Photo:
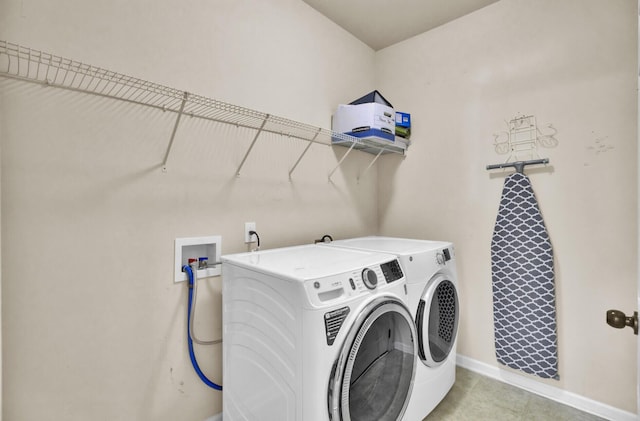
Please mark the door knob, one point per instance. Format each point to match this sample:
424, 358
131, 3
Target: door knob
619, 320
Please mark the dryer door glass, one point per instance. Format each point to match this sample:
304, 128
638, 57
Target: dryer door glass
377, 365
437, 321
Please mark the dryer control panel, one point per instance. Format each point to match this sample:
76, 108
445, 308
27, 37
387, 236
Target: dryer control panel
442, 257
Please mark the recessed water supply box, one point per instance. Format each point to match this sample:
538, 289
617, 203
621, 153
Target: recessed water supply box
206, 252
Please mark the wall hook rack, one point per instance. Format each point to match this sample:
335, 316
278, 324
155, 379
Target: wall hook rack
522, 138
29, 65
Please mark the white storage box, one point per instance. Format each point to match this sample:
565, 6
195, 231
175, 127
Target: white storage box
370, 120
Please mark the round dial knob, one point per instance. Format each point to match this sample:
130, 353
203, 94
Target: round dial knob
370, 278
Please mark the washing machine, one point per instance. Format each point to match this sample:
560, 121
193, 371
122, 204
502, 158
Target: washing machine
316, 333
430, 271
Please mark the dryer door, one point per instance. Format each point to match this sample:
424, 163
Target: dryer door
373, 375
437, 320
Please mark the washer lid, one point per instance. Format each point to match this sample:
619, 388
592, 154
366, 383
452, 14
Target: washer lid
306, 262
393, 245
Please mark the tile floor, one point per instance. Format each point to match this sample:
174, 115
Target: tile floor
474, 397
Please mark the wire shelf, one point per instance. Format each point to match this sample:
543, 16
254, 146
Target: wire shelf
27, 64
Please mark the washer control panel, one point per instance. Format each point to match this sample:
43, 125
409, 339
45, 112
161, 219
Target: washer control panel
369, 278
392, 271
344, 286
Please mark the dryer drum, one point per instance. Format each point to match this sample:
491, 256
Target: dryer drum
437, 334
374, 372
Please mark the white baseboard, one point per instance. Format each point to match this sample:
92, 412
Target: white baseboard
551, 392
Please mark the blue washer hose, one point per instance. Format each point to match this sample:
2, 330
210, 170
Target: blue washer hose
194, 362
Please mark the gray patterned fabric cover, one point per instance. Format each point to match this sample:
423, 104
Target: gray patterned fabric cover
524, 310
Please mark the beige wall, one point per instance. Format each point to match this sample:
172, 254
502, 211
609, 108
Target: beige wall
571, 63
2, 111
93, 326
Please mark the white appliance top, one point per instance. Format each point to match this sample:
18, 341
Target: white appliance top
398, 246
306, 262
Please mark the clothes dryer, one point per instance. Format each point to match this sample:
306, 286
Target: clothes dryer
430, 270
316, 333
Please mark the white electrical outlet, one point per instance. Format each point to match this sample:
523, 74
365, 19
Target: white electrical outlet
248, 238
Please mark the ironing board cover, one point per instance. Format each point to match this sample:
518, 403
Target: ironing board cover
524, 310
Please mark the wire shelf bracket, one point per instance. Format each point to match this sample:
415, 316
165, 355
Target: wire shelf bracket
173, 133
373, 161
255, 138
303, 153
342, 159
